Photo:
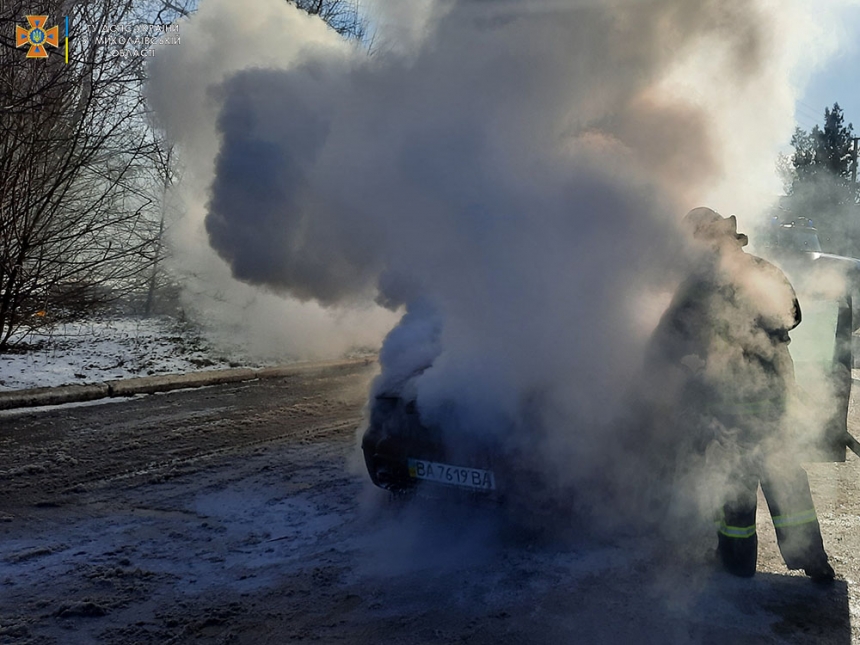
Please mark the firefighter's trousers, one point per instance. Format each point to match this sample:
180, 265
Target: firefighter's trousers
789, 500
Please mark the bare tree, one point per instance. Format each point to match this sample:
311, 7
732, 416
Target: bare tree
344, 16
75, 161
83, 174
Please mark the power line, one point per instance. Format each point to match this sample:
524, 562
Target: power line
805, 119
805, 116
810, 108
810, 112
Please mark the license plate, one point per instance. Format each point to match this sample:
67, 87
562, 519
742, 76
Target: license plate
473, 478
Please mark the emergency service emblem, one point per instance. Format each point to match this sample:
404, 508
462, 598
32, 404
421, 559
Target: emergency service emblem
37, 36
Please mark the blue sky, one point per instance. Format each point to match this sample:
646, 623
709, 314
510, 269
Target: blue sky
837, 81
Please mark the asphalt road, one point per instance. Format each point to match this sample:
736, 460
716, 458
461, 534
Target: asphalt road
241, 514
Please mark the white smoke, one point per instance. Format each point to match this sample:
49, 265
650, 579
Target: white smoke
219, 41
510, 174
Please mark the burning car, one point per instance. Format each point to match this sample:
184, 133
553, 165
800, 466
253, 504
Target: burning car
400, 451
404, 453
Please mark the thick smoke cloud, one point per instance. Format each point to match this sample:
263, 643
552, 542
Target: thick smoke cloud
222, 38
509, 175
521, 171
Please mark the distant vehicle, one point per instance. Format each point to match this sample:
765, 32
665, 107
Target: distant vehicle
823, 346
798, 235
795, 247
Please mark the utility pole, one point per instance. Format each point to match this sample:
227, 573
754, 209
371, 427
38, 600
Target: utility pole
856, 141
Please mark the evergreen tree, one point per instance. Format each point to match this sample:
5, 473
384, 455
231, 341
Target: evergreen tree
820, 184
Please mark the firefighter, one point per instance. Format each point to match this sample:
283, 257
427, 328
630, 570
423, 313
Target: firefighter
726, 334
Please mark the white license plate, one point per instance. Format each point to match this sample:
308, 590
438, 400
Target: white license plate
433, 471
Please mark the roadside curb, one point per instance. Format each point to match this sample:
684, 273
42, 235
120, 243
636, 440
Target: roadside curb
167, 382
52, 395
161, 383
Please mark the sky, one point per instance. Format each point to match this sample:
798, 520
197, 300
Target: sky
838, 80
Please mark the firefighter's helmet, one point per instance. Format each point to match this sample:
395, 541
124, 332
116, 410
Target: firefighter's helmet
708, 225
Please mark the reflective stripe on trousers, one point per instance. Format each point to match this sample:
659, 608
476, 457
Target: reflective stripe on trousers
795, 519
743, 408
740, 532
779, 522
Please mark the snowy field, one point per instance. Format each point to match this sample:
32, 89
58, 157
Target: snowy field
114, 348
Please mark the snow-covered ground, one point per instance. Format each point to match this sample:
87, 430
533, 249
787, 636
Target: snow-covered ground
113, 348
